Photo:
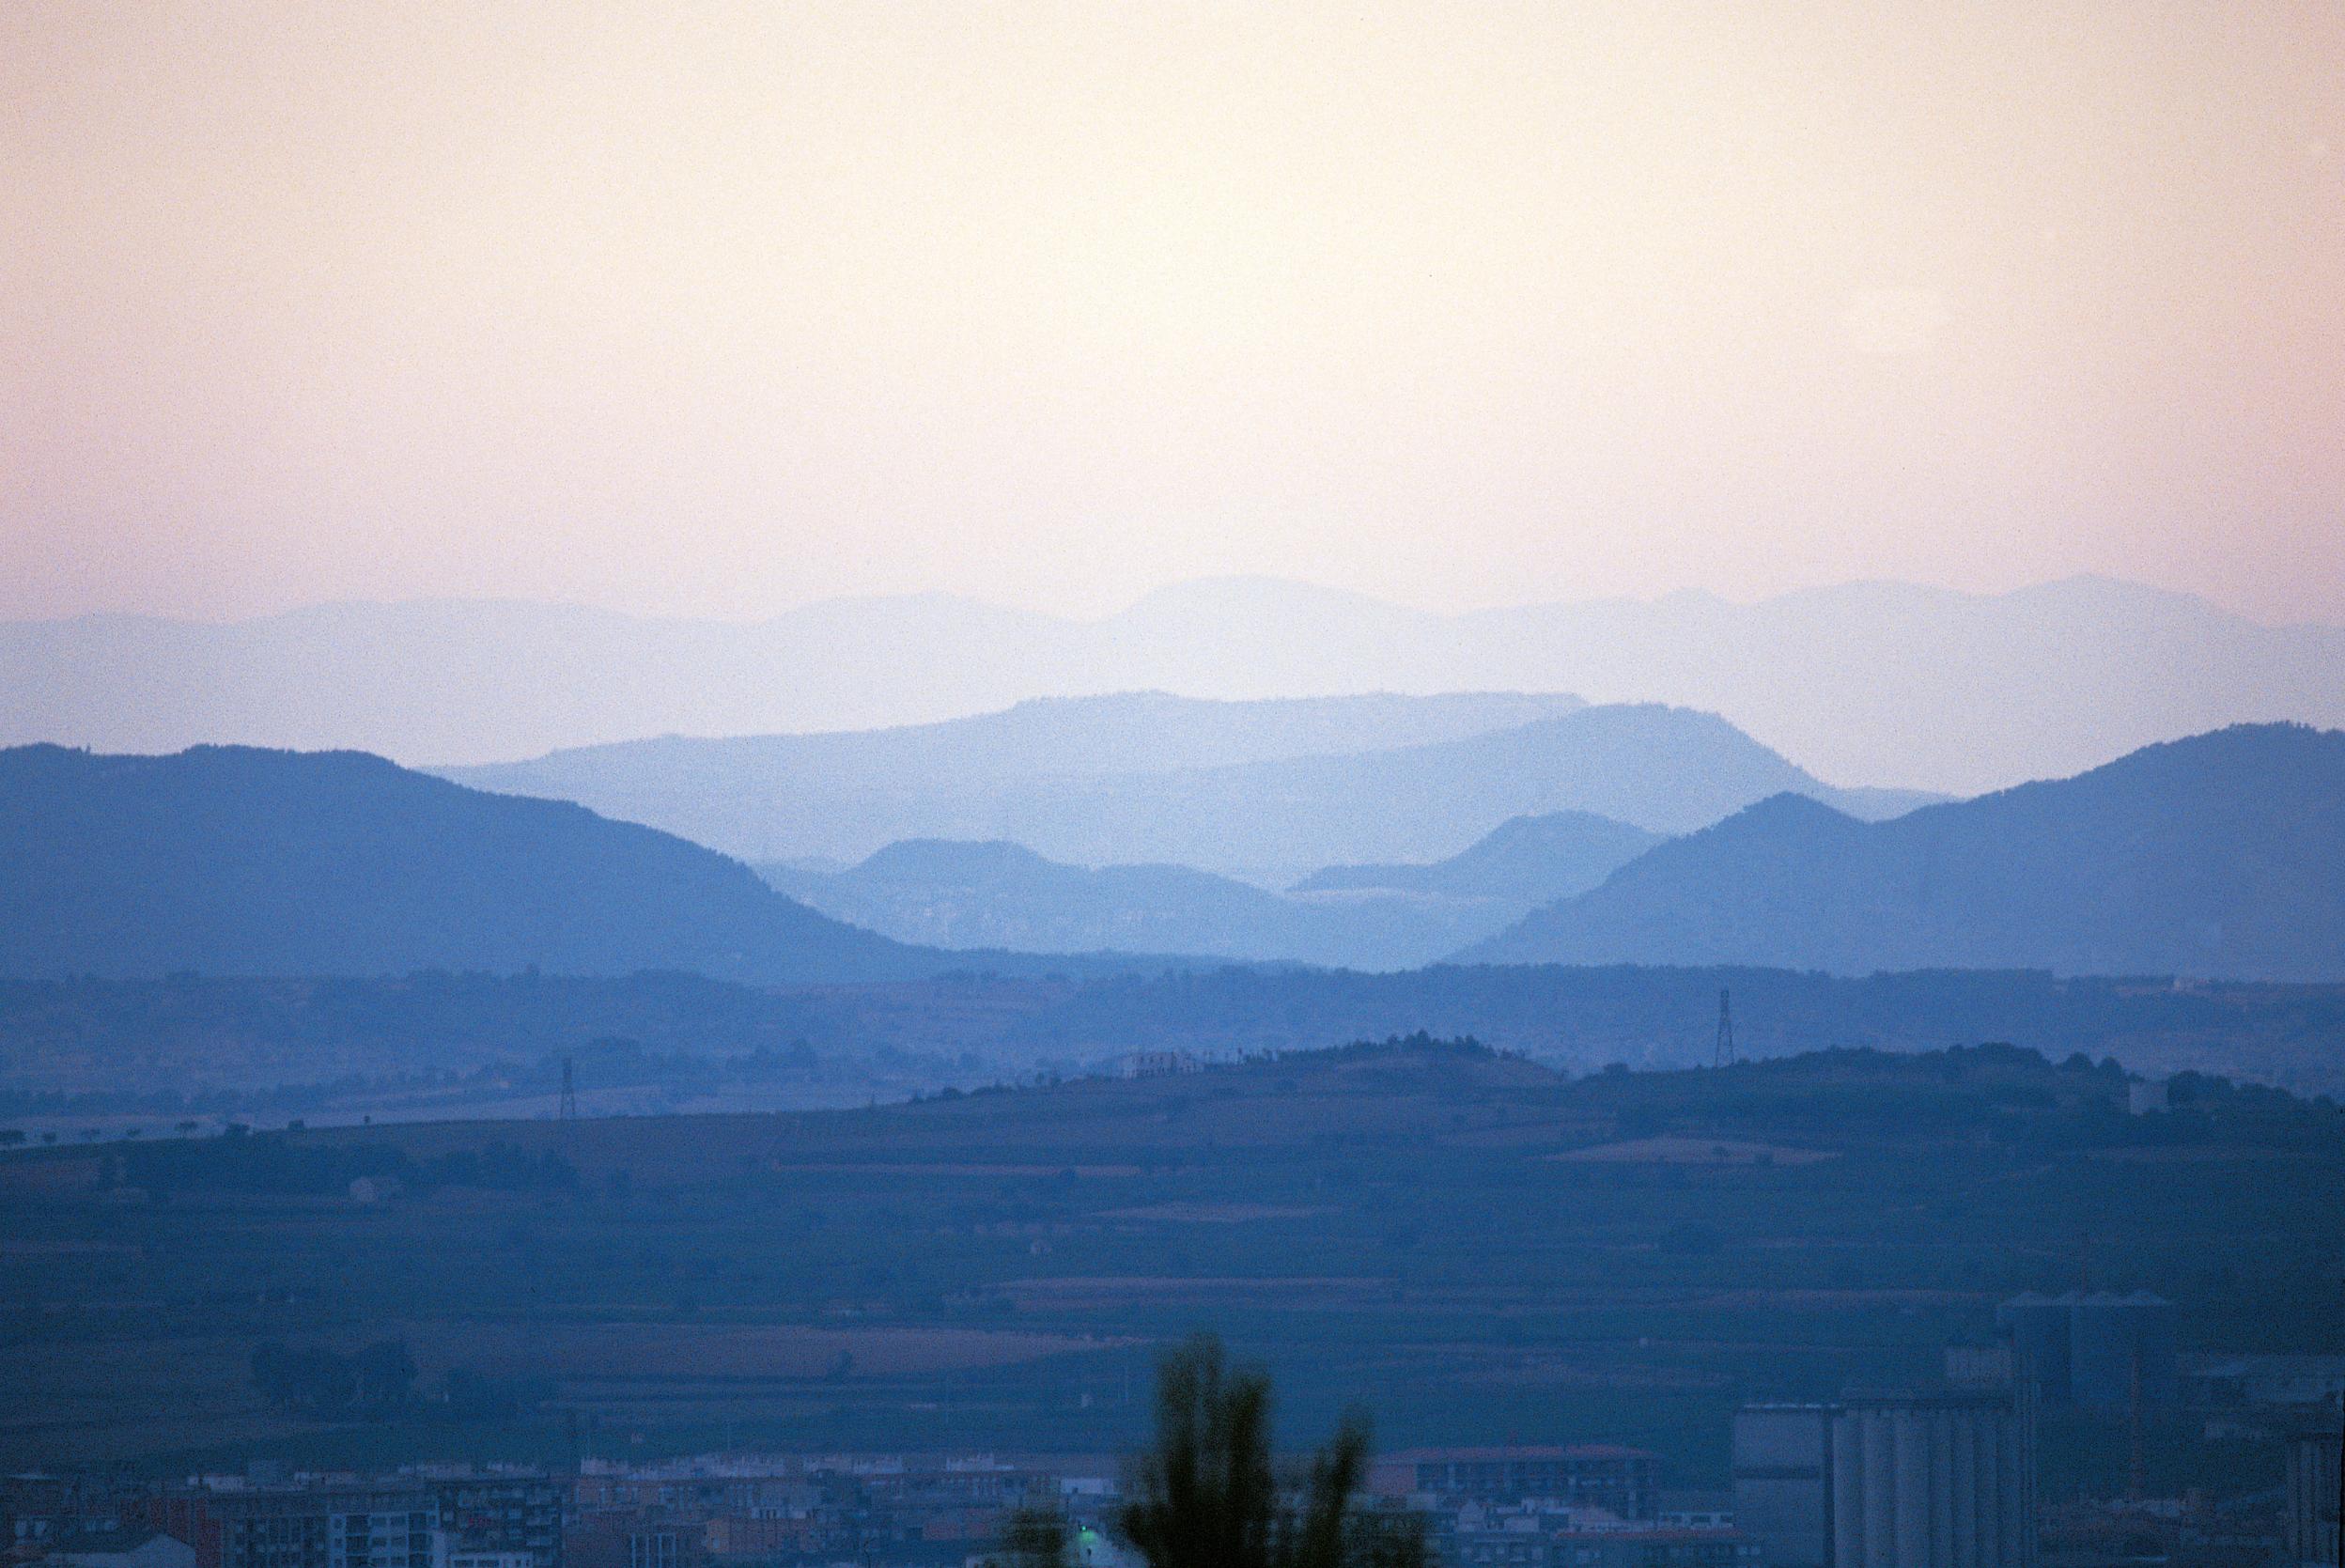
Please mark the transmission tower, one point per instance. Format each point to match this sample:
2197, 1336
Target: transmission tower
569, 1091
1725, 1055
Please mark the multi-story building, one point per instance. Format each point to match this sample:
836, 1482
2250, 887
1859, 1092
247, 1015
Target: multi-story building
1544, 1536
1783, 1482
1621, 1481
2312, 1500
499, 1513
735, 1538
1655, 1548
644, 1537
386, 1526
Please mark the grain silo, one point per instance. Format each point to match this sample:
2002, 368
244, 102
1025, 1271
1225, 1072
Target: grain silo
1931, 1481
2121, 1348
2039, 1327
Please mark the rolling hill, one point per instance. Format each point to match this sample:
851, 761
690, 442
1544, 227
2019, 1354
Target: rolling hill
1484, 1247
1037, 776
232, 861
952, 894
999, 894
2222, 855
1525, 859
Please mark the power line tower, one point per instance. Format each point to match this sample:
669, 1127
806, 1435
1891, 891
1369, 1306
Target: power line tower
1724, 1056
569, 1091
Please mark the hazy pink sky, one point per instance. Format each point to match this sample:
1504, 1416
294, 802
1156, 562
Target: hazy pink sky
719, 310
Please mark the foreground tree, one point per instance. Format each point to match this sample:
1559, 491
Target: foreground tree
1206, 1494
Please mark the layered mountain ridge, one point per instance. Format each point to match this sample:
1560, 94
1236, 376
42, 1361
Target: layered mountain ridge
1886, 682
1417, 779
2222, 855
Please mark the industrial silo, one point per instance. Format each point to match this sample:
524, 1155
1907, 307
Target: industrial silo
2152, 1322
2039, 1327
1931, 1481
2114, 1341
2101, 1352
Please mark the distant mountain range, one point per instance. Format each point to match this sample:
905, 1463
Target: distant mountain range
1881, 682
2219, 855
231, 861
1303, 787
959, 895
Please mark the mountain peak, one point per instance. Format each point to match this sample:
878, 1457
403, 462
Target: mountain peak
1787, 809
945, 858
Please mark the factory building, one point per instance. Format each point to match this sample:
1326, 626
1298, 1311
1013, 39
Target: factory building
2037, 1326
1783, 1482
1903, 1480
2121, 1345
2101, 1351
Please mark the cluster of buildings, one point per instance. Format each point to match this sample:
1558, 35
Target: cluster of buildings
1940, 1477
1589, 1505
1586, 1506
423, 1518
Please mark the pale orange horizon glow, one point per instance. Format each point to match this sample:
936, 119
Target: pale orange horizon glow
722, 309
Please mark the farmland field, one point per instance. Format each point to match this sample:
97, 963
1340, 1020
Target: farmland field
1474, 1246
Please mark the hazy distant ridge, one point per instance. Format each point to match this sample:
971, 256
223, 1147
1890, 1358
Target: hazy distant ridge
1421, 779
2222, 855
1004, 896
1878, 682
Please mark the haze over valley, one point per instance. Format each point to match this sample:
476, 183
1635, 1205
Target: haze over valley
1290, 800
879, 784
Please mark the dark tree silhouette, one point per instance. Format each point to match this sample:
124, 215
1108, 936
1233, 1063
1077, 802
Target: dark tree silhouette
1034, 1538
1207, 1493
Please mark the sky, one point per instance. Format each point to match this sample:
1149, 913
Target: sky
718, 310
